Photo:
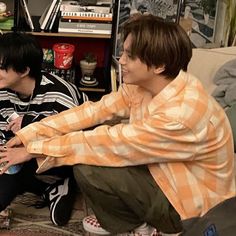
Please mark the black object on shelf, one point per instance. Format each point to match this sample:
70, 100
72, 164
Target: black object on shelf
16, 10
22, 19
66, 74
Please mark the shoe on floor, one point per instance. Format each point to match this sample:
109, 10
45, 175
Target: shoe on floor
91, 224
60, 197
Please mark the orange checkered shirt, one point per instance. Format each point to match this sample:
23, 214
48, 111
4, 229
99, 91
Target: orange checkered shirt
182, 134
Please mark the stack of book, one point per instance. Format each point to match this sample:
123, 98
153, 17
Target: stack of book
91, 19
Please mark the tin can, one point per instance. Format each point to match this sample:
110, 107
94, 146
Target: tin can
63, 55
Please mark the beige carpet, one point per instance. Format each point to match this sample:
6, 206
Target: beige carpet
28, 221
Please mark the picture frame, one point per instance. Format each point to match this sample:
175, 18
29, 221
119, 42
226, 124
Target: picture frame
201, 15
167, 9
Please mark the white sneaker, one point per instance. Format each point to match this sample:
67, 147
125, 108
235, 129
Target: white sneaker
144, 230
91, 224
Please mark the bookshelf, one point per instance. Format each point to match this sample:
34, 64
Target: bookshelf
99, 44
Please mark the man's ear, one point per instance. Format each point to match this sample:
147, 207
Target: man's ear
158, 70
25, 73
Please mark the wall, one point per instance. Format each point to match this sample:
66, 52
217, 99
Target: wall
37, 9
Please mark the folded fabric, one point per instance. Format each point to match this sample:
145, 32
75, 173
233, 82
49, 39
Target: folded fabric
225, 79
231, 113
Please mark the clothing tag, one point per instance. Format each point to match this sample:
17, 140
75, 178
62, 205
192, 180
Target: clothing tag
210, 231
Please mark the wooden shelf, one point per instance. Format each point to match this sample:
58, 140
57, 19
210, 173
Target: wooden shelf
92, 89
77, 35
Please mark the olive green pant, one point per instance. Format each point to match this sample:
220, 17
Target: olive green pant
126, 197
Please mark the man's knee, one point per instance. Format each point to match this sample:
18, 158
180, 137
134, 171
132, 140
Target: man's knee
82, 173
98, 177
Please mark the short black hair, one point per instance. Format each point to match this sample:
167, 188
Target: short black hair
157, 42
18, 51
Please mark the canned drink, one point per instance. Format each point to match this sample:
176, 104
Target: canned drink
12, 169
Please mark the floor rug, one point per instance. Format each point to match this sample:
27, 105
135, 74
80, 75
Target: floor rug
28, 221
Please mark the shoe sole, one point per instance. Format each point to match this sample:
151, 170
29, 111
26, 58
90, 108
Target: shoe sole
95, 231
88, 224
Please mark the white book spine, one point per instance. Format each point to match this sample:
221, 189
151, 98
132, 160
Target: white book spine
55, 15
83, 31
81, 25
87, 14
77, 8
42, 26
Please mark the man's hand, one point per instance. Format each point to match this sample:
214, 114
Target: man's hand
15, 125
13, 156
14, 142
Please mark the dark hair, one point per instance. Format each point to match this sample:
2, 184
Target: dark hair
19, 51
159, 43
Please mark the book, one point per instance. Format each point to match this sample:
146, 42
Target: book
56, 13
53, 16
45, 16
87, 16
85, 25
22, 18
27, 14
84, 21
74, 6
46, 28
83, 31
